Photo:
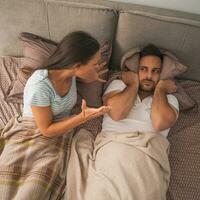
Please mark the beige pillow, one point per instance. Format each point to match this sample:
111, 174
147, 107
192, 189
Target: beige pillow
172, 67
36, 50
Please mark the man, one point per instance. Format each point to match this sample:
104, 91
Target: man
141, 101
128, 160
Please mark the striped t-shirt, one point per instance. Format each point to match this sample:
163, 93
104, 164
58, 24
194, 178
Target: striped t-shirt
39, 91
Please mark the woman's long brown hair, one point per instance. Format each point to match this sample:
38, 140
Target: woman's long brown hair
76, 47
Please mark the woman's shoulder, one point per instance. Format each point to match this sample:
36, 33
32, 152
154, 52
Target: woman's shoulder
38, 80
37, 77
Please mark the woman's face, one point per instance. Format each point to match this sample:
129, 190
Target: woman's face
87, 72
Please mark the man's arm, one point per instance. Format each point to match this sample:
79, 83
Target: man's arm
163, 115
122, 102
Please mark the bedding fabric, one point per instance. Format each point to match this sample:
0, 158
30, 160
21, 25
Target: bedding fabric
9, 68
31, 166
184, 155
184, 139
123, 166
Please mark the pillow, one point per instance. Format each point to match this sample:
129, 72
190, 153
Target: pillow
185, 101
171, 68
36, 50
171, 65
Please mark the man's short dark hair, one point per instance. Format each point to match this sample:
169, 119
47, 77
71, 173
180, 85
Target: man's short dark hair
151, 50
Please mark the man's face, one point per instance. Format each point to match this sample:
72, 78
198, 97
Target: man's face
149, 73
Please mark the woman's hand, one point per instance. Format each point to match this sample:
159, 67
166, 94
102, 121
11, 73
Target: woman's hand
91, 113
100, 69
92, 73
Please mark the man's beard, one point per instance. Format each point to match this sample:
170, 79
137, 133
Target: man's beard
147, 85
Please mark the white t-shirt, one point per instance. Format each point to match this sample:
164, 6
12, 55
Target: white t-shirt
138, 118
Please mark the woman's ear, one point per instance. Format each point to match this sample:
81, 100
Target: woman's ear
77, 65
76, 68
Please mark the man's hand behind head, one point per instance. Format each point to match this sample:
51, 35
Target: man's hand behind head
130, 78
167, 86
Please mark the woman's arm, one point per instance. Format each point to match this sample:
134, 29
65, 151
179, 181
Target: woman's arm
44, 119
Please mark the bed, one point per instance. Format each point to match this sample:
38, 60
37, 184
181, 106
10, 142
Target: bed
126, 26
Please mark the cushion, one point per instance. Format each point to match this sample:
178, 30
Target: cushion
178, 35
172, 67
36, 50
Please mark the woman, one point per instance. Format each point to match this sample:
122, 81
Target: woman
34, 158
50, 93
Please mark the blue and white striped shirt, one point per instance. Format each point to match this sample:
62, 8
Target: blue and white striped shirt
39, 91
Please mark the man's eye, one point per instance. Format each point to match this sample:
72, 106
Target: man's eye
157, 71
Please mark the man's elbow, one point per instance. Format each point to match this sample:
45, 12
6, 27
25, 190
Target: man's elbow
116, 116
162, 124
158, 125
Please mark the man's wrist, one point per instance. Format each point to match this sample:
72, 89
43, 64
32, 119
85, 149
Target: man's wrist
159, 90
133, 85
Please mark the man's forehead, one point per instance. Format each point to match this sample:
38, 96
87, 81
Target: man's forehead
152, 67
150, 61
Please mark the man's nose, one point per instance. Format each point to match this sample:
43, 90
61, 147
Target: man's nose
149, 75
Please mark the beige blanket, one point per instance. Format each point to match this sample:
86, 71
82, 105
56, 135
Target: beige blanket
126, 166
32, 167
